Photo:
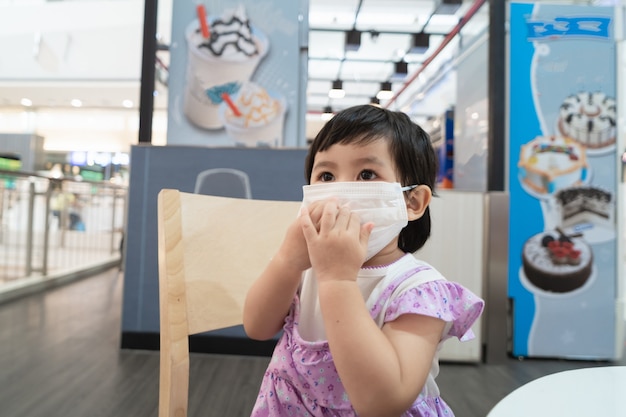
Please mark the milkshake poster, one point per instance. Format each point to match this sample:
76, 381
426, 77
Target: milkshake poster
563, 181
235, 74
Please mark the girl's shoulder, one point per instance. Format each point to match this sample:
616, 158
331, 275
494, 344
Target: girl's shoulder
416, 287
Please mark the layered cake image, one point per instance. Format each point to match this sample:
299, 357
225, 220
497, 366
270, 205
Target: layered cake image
582, 205
548, 164
555, 262
589, 119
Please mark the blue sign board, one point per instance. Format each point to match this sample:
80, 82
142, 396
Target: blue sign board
562, 181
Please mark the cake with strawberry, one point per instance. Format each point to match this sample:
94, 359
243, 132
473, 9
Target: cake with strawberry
550, 163
589, 118
555, 262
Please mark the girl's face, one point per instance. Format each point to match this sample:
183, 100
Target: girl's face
352, 162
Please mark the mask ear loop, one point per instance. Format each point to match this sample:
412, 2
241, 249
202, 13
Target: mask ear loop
411, 187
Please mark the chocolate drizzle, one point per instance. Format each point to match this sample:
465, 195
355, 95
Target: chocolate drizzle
225, 34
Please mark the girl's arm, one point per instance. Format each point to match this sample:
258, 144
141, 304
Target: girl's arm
382, 370
270, 296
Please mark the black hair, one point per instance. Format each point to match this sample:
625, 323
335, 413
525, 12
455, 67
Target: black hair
409, 146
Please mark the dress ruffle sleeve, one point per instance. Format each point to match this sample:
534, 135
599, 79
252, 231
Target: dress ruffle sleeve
442, 299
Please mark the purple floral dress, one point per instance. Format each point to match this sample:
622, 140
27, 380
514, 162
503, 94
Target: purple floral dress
301, 379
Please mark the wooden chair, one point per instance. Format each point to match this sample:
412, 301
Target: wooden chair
210, 250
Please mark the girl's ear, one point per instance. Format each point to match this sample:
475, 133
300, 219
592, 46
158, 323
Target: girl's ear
417, 201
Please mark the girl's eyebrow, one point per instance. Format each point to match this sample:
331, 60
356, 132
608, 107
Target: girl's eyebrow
324, 164
372, 159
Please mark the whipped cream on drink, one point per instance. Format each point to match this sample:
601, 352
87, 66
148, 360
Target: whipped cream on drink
219, 62
256, 106
257, 118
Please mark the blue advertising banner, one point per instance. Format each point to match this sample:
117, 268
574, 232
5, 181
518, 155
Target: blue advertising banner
235, 73
562, 181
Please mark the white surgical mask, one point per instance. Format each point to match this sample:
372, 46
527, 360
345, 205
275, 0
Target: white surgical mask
381, 203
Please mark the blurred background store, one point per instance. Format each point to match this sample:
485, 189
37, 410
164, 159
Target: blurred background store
74, 71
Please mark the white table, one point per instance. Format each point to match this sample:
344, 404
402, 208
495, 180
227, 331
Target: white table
587, 392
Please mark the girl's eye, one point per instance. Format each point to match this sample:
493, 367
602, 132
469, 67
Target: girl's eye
367, 175
326, 176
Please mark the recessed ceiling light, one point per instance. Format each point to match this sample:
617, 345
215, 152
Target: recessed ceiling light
76, 102
384, 95
327, 114
26, 102
385, 92
127, 103
337, 90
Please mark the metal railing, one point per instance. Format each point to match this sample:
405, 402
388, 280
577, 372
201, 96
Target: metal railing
52, 226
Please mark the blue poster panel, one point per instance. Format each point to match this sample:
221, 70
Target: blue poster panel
563, 181
235, 73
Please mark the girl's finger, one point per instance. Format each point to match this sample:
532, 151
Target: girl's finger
308, 228
329, 216
343, 218
366, 230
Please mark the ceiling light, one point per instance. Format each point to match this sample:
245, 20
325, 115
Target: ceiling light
76, 102
448, 6
419, 43
385, 92
328, 113
26, 102
337, 90
127, 103
401, 69
353, 40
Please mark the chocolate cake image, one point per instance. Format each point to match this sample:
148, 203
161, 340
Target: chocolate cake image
585, 205
555, 262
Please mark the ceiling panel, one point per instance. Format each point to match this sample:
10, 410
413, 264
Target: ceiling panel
394, 15
366, 71
324, 68
332, 14
383, 46
326, 44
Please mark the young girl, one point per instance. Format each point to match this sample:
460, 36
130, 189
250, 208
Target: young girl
362, 318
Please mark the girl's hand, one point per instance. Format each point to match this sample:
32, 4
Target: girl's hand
337, 244
293, 249
270, 296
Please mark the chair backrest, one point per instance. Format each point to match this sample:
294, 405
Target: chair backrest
210, 250
223, 182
